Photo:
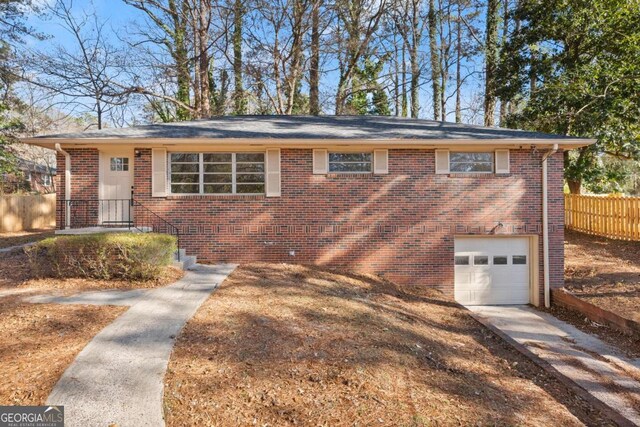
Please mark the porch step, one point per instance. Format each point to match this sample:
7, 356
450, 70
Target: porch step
186, 261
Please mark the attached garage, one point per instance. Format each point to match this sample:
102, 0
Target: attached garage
495, 270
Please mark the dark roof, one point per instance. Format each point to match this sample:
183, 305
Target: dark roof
31, 166
309, 127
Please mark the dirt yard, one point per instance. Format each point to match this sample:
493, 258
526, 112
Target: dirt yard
281, 345
605, 273
21, 237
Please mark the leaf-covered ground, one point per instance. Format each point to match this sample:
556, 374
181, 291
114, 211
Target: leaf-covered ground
606, 273
285, 344
39, 341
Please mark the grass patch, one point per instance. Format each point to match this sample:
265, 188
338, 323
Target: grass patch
127, 256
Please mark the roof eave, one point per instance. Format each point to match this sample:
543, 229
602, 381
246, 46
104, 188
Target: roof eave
563, 143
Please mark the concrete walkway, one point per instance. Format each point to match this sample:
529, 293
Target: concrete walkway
595, 366
112, 297
118, 377
13, 248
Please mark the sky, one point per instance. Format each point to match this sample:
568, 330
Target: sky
121, 19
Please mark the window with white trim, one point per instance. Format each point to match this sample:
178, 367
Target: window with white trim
471, 162
350, 162
216, 173
119, 164
46, 180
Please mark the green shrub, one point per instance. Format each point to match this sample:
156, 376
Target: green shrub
128, 256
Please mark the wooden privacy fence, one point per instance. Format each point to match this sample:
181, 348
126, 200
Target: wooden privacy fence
615, 217
29, 212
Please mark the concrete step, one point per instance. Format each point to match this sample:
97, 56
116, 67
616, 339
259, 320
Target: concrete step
186, 261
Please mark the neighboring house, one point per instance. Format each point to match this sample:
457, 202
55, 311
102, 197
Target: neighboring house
476, 212
32, 177
40, 178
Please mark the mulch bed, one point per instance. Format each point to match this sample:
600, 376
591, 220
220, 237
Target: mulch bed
282, 344
39, 341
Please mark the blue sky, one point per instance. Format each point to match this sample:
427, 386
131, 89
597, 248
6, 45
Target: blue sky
120, 18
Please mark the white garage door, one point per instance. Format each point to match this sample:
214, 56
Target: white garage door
492, 270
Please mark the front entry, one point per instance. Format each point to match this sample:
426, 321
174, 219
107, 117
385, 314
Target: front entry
116, 179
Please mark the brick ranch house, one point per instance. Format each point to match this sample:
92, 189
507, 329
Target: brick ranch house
476, 212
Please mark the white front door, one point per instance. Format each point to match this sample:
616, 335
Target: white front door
492, 270
115, 188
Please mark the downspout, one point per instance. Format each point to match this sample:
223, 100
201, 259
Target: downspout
67, 185
545, 225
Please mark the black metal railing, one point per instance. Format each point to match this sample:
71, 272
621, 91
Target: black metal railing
114, 213
81, 213
146, 220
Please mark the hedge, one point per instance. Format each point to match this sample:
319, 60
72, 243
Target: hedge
128, 256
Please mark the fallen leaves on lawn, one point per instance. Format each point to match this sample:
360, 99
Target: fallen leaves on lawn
282, 344
39, 341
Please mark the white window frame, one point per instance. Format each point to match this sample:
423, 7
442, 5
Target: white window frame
46, 180
371, 166
493, 162
201, 173
120, 164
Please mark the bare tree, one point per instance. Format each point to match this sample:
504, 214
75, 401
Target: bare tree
239, 96
410, 24
491, 60
83, 75
314, 69
278, 41
435, 59
359, 20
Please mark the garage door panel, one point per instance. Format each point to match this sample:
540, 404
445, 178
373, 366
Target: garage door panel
499, 282
473, 296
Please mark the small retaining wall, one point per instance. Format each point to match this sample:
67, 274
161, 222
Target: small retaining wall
566, 299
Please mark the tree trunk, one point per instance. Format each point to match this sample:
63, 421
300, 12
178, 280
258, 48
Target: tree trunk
445, 43
405, 106
203, 58
197, 93
413, 57
504, 103
99, 112
396, 79
435, 59
491, 60
314, 68
297, 31
181, 58
574, 186
533, 76
458, 62
240, 102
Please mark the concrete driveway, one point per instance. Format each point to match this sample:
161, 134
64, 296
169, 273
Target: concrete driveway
593, 365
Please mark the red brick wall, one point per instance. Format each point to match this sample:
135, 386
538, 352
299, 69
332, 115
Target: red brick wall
401, 225
84, 187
